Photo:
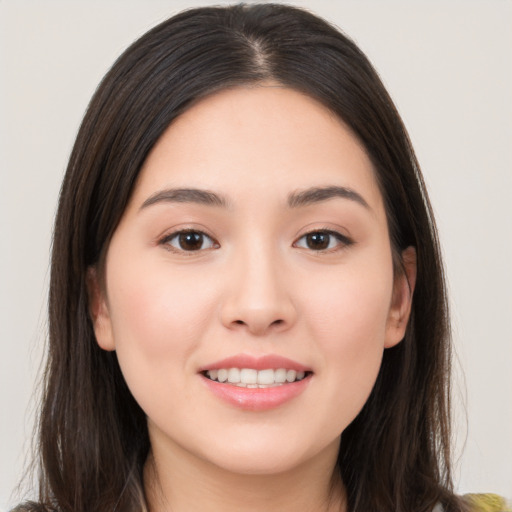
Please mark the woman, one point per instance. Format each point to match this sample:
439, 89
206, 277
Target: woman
243, 208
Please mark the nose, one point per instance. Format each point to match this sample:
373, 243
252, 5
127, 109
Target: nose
259, 298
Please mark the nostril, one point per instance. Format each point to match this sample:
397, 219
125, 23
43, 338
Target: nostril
258, 324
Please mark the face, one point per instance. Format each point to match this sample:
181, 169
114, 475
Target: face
254, 250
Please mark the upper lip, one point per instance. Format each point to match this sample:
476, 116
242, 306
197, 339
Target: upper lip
264, 362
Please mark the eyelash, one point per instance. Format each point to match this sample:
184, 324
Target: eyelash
166, 241
342, 241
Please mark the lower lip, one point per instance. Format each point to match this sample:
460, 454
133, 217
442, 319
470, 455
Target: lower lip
257, 399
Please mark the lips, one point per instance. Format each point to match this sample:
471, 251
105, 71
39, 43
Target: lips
257, 363
256, 383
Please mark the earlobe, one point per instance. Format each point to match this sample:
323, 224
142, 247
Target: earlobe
98, 311
401, 304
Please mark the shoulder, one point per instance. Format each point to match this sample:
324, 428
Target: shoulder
486, 503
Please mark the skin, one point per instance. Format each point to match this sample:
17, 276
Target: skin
254, 286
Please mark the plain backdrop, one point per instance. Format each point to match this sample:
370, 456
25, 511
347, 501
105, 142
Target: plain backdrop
448, 66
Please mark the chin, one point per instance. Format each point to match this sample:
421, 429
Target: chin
261, 464
270, 456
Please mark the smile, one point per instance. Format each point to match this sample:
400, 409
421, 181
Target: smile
251, 378
256, 383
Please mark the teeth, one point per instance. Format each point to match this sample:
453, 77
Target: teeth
233, 375
266, 377
250, 378
280, 375
290, 375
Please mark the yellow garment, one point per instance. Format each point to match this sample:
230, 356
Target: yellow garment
486, 503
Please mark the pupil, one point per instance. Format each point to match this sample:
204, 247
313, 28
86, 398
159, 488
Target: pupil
191, 241
318, 241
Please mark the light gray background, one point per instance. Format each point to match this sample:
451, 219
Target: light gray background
448, 66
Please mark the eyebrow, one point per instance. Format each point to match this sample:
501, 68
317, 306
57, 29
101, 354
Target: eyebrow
295, 200
186, 195
319, 194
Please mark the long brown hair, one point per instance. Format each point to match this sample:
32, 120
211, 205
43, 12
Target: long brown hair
93, 437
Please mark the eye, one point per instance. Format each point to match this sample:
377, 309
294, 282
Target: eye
322, 240
189, 241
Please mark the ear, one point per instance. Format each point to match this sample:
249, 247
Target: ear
98, 311
401, 303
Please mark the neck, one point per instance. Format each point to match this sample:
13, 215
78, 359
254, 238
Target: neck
195, 484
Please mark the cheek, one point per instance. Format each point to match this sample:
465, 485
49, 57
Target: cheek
158, 318
348, 320
351, 311
157, 310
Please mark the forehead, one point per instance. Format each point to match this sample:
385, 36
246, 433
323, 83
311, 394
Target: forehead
257, 141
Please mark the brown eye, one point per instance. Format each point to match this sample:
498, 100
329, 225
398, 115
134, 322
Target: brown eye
318, 241
323, 241
189, 241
